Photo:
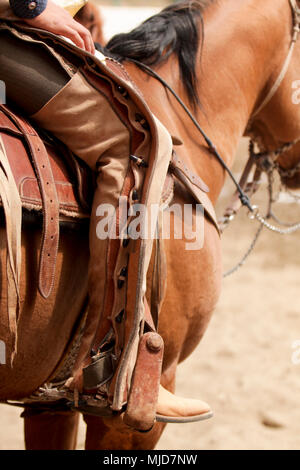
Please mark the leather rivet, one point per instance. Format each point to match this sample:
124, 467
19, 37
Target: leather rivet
154, 342
32, 5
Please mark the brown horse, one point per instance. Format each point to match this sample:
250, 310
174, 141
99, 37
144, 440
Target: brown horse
237, 50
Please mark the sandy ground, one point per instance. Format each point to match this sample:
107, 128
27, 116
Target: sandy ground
243, 367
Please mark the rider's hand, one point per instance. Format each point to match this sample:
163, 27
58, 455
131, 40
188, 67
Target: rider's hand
58, 21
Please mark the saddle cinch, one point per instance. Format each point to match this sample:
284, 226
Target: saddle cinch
54, 183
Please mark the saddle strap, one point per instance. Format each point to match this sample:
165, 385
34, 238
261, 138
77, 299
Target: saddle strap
195, 186
50, 236
178, 165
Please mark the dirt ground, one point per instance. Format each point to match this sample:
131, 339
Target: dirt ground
243, 367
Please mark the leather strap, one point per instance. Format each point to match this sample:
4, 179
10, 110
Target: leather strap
50, 236
195, 188
177, 164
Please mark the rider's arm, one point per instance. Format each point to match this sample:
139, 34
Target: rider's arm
51, 17
28, 8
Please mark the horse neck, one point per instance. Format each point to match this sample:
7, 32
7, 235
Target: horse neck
243, 53
237, 66
279, 121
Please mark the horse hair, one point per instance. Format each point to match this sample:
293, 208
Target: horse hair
172, 31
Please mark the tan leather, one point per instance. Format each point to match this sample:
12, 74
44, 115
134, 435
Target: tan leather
177, 164
185, 176
99, 134
158, 161
107, 142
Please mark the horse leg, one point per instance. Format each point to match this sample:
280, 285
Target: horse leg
112, 434
51, 431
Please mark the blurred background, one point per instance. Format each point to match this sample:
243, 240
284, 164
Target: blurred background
243, 367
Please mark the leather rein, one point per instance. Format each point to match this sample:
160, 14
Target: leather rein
264, 161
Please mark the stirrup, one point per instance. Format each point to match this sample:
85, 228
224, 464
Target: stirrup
140, 402
140, 411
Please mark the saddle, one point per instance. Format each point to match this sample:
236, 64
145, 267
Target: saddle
73, 179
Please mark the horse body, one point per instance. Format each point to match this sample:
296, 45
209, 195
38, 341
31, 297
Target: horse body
245, 46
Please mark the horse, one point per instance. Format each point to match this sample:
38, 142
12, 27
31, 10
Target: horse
222, 57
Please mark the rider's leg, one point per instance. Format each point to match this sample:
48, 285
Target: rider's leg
24, 67
72, 114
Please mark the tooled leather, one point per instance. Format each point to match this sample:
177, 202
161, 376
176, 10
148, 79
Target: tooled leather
72, 196
50, 236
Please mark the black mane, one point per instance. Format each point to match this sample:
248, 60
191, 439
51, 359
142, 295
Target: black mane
175, 30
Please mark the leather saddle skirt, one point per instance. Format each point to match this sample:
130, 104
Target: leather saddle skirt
74, 181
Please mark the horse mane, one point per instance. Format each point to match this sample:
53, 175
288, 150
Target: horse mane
175, 30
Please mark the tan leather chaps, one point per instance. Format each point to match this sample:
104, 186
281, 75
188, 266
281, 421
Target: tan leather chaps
104, 121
